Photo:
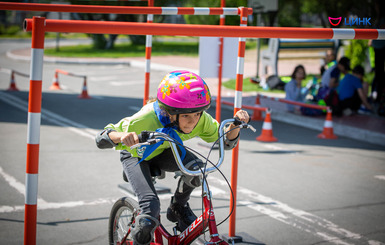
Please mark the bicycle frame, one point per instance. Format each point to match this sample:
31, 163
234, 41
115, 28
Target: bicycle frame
204, 221
207, 219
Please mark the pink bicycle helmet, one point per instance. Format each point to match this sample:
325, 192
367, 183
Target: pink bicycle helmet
183, 92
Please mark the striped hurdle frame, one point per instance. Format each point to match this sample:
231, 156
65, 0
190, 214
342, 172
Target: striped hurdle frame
33, 133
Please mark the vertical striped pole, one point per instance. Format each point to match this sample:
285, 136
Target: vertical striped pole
219, 95
237, 107
33, 134
147, 71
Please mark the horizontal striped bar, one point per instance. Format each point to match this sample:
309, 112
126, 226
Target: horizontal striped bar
201, 11
238, 99
169, 11
110, 9
343, 34
381, 34
36, 70
33, 131
114, 27
230, 11
31, 182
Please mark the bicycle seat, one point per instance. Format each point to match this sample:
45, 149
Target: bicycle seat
155, 171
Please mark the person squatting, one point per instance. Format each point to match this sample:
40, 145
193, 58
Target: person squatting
180, 111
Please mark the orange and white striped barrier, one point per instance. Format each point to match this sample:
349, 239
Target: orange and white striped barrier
267, 129
129, 28
237, 107
122, 9
328, 132
33, 132
147, 71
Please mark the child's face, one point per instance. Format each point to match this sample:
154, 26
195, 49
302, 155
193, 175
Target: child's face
187, 122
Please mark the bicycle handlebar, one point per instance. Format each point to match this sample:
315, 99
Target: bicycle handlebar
149, 138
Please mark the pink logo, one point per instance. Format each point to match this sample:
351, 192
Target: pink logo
331, 23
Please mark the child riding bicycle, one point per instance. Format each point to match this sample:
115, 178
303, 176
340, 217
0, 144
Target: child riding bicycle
179, 111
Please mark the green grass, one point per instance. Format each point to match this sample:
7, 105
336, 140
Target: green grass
248, 86
159, 48
127, 50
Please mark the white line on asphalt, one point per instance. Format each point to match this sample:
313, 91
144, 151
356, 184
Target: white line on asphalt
381, 177
297, 218
42, 204
272, 147
78, 128
127, 83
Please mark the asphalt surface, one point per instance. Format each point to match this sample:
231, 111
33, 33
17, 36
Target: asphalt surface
299, 190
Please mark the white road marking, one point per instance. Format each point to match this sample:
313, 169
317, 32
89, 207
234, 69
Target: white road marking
381, 177
126, 83
299, 219
78, 128
42, 204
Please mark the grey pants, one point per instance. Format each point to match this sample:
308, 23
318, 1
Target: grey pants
140, 179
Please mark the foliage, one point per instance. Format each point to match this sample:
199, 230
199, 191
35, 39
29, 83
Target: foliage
212, 19
356, 52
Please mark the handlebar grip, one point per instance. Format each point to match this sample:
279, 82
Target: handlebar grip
144, 136
237, 122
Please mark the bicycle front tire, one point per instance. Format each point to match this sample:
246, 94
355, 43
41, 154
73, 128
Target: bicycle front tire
122, 215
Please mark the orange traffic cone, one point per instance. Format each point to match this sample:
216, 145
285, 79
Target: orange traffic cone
328, 127
257, 114
12, 86
267, 129
55, 84
84, 94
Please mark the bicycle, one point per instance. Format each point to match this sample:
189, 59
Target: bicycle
125, 210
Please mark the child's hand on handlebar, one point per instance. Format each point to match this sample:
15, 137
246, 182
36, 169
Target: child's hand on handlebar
129, 139
242, 116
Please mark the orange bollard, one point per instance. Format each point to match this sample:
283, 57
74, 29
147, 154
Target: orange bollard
55, 84
84, 94
257, 114
267, 129
12, 86
328, 127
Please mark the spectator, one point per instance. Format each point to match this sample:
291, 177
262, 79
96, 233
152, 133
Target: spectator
331, 77
330, 61
350, 92
293, 89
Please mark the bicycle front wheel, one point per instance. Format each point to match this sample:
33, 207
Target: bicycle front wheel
122, 215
